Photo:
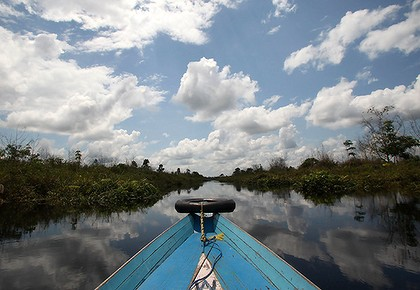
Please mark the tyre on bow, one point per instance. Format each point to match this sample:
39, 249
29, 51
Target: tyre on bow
209, 205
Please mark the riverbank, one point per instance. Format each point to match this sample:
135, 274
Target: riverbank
351, 177
72, 186
123, 188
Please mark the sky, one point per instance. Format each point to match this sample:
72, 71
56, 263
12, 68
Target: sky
207, 86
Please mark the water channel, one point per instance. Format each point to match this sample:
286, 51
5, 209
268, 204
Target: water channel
367, 242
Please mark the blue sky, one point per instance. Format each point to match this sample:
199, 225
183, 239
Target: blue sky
204, 85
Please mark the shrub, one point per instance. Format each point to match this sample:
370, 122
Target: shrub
309, 163
324, 187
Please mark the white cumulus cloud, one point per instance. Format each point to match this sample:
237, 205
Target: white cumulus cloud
337, 107
331, 107
209, 91
403, 36
132, 23
221, 152
255, 120
335, 42
43, 93
121, 146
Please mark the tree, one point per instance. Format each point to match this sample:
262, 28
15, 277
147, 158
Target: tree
385, 136
78, 157
309, 163
278, 163
17, 152
18, 148
104, 160
134, 164
160, 169
257, 168
146, 165
350, 148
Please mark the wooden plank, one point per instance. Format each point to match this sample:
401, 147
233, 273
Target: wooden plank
143, 263
178, 269
271, 266
154, 261
248, 258
234, 272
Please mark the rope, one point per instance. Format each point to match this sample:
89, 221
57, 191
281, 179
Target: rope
203, 238
206, 242
203, 234
218, 237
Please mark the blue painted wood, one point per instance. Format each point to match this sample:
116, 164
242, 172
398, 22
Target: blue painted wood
270, 265
178, 269
136, 270
234, 272
169, 261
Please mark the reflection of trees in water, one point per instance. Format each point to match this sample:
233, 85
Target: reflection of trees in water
359, 212
397, 213
275, 193
73, 223
16, 222
400, 221
281, 194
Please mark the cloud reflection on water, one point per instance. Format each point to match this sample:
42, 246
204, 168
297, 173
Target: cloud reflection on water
61, 257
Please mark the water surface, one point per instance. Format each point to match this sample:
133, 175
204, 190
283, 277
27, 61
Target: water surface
358, 243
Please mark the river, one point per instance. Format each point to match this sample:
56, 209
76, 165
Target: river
367, 242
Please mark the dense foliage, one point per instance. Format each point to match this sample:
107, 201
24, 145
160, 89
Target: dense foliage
319, 185
28, 179
323, 181
384, 159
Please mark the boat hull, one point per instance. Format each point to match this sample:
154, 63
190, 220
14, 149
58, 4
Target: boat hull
239, 261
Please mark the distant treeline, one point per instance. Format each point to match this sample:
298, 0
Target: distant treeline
325, 179
27, 178
385, 158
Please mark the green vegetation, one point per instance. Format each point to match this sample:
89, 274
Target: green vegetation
386, 136
27, 179
318, 186
384, 159
323, 181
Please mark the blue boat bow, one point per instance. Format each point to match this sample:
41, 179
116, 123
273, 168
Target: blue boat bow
227, 257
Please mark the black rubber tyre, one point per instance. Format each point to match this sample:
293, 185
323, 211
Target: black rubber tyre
210, 205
